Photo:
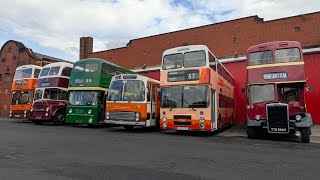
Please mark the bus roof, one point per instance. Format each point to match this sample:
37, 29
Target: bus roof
28, 66
64, 64
134, 77
185, 49
101, 61
273, 46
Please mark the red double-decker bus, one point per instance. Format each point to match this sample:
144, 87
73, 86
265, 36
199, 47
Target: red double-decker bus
276, 87
51, 94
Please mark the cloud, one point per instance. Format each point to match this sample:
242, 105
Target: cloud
58, 25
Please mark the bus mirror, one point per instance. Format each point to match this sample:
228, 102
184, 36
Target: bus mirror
243, 90
309, 88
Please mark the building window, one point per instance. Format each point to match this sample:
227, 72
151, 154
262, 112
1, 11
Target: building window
14, 57
3, 60
0, 77
297, 28
9, 49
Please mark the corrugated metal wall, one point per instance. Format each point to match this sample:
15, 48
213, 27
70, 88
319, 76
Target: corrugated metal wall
238, 71
312, 66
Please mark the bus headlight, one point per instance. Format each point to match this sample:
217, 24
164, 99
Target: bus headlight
25, 115
258, 117
202, 119
164, 119
46, 114
70, 110
31, 109
137, 116
90, 120
10, 111
202, 126
25, 112
164, 125
298, 117
10, 115
107, 115
89, 111
47, 109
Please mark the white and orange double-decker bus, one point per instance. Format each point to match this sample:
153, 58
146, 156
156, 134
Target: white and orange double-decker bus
133, 100
197, 91
23, 87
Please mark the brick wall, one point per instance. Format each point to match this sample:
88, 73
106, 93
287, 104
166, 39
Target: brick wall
224, 39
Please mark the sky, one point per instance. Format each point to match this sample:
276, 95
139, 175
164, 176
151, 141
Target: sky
54, 27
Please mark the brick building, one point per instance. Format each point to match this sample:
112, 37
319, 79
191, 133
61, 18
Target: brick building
12, 55
228, 41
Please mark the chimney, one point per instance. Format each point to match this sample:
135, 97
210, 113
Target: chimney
86, 47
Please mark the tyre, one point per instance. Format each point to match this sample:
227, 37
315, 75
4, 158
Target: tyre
252, 132
305, 134
59, 118
128, 127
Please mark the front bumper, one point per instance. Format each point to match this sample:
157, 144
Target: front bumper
122, 122
293, 124
40, 116
19, 114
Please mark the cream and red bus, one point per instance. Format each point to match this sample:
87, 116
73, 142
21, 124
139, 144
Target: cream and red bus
197, 91
133, 100
23, 86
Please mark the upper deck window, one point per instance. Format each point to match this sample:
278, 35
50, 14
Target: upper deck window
66, 71
287, 55
194, 59
262, 57
44, 72
78, 68
92, 67
23, 73
172, 61
54, 70
107, 69
36, 73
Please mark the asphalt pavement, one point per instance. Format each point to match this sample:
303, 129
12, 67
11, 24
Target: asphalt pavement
31, 151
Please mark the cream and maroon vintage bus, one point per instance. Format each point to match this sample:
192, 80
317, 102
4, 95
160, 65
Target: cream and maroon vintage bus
133, 100
197, 91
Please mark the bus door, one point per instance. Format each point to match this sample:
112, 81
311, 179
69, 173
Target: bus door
151, 105
102, 104
213, 110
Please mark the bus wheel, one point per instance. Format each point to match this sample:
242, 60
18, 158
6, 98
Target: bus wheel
59, 118
128, 127
305, 135
251, 132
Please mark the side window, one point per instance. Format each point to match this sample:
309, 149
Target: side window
106, 69
36, 72
154, 91
148, 94
212, 61
221, 99
119, 72
66, 71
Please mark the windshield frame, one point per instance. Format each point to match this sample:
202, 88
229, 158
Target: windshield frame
265, 100
143, 93
19, 100
183, 63
80, 95
182, 101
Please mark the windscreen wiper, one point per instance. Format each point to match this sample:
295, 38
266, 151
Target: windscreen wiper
189, 105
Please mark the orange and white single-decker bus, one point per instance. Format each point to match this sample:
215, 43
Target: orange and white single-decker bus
133, 100
23, 87
197, 91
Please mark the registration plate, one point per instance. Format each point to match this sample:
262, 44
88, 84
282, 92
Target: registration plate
182, 128
38, 117
16, 115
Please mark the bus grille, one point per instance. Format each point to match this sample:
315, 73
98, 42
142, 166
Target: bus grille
79, 111
277, 118
178, 123
126, 116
